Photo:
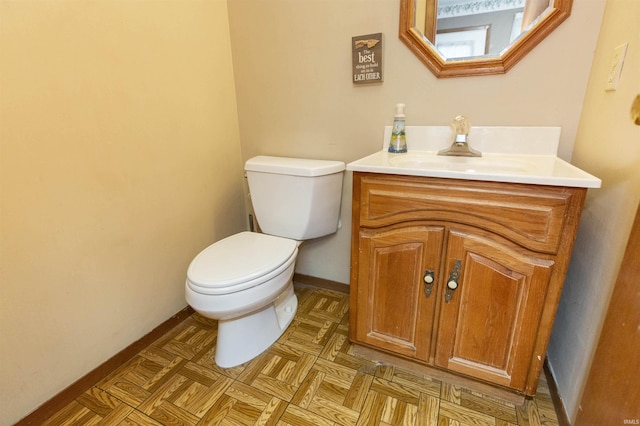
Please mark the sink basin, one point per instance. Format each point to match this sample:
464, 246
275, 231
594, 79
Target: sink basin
509, 154
516, 168
462, 164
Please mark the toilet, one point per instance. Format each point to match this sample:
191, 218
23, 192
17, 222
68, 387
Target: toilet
245, 281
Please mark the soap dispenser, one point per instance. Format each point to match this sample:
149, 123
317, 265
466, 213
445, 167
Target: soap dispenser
398, 139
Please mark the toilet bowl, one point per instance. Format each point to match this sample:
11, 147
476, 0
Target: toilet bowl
245, 281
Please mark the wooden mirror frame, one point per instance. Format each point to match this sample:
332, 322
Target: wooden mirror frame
441, 68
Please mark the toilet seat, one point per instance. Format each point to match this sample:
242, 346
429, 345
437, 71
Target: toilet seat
239, 262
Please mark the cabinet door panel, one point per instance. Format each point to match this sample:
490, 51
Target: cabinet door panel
489, 327
394, 312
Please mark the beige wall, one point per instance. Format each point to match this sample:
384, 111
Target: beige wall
119, 161
608, 145
292, 62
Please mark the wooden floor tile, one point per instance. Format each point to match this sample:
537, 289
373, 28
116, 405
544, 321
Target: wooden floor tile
310, 376
489, 406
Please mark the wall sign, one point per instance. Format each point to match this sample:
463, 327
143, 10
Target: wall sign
366, 54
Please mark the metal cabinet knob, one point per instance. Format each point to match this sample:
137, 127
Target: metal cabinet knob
452, 284
428, 279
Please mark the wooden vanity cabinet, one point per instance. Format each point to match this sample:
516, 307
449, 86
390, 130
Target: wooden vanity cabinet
460, 275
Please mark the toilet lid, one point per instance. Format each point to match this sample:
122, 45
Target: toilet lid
240, 258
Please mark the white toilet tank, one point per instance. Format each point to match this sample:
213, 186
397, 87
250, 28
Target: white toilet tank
295, 198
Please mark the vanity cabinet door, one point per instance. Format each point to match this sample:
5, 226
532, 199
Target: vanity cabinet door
491, 310
398, 272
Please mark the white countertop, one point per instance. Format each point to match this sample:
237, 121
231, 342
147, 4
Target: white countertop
509, 154
515, 168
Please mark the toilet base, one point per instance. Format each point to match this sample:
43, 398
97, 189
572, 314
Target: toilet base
242, 339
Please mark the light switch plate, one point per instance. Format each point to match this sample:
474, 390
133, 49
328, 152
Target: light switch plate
613, 77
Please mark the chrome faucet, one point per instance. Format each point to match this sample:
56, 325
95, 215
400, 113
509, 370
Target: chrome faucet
460, 146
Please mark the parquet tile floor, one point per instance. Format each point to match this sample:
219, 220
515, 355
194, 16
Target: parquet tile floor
309, 377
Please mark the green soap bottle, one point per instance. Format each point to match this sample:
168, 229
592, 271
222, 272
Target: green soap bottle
398, 139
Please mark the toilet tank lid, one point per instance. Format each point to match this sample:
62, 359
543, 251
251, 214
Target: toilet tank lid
293, 166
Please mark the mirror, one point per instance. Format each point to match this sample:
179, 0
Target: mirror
456, 38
